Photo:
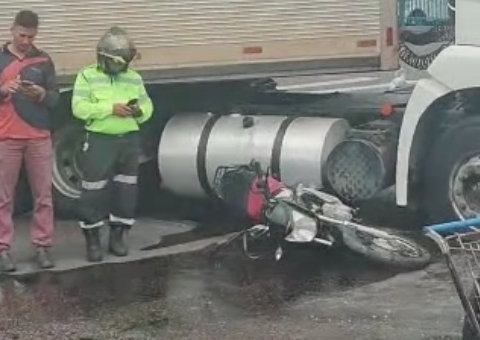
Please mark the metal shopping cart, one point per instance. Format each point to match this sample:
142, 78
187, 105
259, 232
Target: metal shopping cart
459, 241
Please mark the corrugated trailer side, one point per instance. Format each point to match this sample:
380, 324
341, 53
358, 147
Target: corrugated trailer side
215, 37
193, 38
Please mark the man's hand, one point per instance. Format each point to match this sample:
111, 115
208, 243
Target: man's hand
122, 110
10, 86
34, 92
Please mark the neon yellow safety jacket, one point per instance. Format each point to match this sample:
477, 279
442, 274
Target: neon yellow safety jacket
95, 93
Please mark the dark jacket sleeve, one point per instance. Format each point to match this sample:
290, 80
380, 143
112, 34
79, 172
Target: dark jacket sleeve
52, 96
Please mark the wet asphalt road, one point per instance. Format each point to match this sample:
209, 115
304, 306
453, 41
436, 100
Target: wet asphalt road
311, 294
199, 297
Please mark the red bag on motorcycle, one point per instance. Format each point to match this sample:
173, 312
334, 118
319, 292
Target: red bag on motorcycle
237, 187
255, 198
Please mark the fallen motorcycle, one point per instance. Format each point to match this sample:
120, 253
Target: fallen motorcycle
305, 215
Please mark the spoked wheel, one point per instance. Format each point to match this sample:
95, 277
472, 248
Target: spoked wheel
393, 250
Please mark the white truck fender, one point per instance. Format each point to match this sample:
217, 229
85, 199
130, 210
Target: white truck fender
455, 68
425, 93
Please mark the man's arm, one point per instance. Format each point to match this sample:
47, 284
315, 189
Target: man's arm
145, 104
84, 106
52, 96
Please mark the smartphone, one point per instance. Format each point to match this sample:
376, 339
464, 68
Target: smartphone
27, 83
132, 102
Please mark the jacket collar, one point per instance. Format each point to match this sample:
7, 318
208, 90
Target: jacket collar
33, 52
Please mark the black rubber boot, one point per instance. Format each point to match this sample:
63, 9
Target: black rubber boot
94, 245
116, 244
6, 262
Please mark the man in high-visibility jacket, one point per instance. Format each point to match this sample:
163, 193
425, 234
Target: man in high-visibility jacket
112, 100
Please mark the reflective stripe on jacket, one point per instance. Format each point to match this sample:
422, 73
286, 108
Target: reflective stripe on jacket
95, 93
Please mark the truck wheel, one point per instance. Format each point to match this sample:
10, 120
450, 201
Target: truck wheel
67, 176
452, 173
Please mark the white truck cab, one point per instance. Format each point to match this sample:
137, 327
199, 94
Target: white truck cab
438, 153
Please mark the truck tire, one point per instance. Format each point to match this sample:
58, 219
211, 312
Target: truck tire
451, 174
67, 176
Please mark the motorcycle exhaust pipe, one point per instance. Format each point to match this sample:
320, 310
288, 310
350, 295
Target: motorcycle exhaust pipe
323, 242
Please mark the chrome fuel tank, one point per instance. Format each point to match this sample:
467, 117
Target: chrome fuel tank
192, 146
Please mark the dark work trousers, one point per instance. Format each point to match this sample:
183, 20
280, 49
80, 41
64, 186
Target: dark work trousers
109, 186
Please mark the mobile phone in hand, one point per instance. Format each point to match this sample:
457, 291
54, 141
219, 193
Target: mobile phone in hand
132, 102
27, 83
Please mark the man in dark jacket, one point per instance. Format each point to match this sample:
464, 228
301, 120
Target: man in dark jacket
27, 96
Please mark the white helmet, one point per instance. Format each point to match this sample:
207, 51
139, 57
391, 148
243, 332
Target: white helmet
115, 51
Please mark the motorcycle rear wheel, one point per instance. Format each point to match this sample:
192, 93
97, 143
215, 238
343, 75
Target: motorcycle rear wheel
398, 251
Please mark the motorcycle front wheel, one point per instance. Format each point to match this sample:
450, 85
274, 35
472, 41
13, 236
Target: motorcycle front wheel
396, 250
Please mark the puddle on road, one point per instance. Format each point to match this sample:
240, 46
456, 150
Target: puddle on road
176, 293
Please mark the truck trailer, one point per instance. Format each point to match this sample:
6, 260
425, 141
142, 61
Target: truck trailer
209, 67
